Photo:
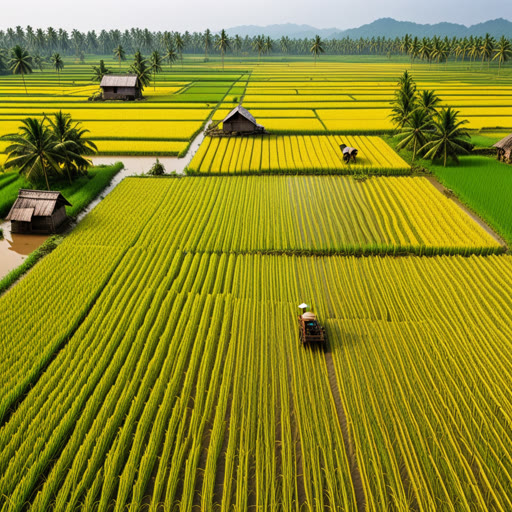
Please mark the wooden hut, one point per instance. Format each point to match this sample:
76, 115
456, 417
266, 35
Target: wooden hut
240, 120
121, 87
504, 147
38, 211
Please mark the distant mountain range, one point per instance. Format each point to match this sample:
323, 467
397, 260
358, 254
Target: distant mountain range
388, 27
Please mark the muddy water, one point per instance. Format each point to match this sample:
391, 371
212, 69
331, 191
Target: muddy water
14, 249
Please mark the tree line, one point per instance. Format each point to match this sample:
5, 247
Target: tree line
45, 42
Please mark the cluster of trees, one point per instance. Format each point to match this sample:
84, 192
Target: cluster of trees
423, 128
20, 62
51, 147
440, 50
434, 49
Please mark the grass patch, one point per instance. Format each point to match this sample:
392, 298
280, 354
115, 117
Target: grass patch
79, 193
485, 185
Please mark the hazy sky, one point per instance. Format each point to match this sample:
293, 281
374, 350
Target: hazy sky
199, 14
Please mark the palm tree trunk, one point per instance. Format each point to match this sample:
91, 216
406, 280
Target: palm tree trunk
414, 151
46, 176
24, 84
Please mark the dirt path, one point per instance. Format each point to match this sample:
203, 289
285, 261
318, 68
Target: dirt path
450, 195
349, 447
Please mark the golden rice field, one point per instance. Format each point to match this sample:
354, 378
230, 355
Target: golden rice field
295, 154
150, 325
335, 97
152, 360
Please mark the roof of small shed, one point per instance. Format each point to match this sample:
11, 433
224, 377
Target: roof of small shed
243, 112
504, 143
38, 203
119, 81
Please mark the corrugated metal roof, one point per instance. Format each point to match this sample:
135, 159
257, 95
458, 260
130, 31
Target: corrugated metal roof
243, 112
504, 143
22, 214
41, 202
119, 81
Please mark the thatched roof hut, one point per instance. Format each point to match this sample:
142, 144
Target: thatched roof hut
240, 120
504, 147
120, 87
38, 211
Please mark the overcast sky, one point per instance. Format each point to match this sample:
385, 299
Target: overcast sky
195, 15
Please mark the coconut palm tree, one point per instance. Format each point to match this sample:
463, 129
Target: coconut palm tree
141, 69
39, 62
428, 101
415, 132
170, 55
223, 44
448, 139
269, 45
120, 54
503, 52
33, 151
405, 100
318, 47
487, 48
207, 38
58, 64
237, 44
179, 43
425, 50
259, 46
20, 63
155, 63
99, 72
72, 144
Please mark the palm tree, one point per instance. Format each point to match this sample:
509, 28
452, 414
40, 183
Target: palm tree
180, 46
237, 44
317, 47
448, 139
425, 49
39, 62
155, 63
140, 68
487, 48
120, 54
20, 63
428, 101
170, 55
269, 45
415, 132
414, 49
99, 72
34, 152
284, 42
405, 100
503, 51
3, 67
473, 51
58, 64
71, 143
223, 44
259, 45
207, 43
